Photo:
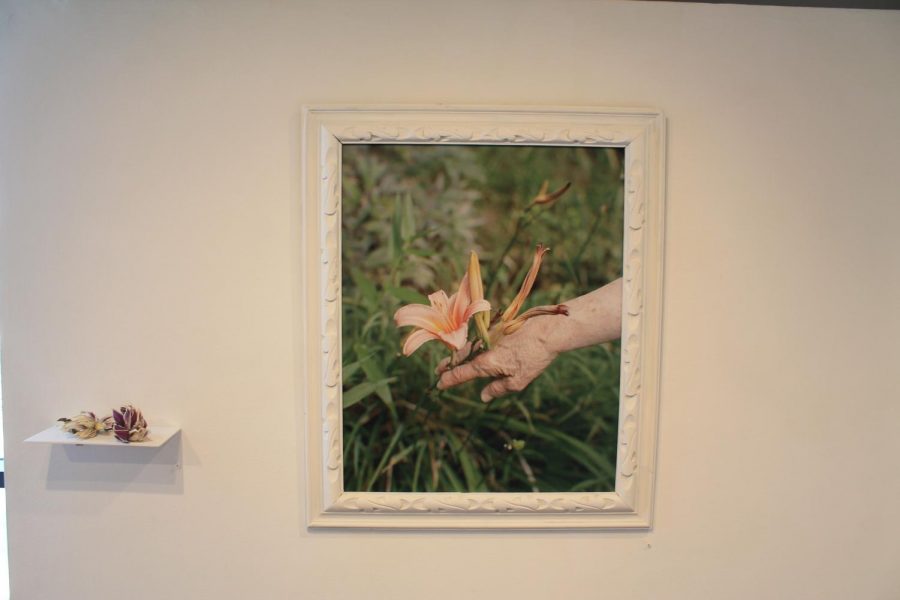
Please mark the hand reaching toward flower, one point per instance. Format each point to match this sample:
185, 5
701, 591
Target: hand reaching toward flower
514, 362
518, 358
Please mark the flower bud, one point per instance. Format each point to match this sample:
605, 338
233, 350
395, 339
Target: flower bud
476, 291
547, 199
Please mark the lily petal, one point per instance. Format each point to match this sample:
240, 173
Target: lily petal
477, 307
419, 315
416, 339
460, 301
455, 339
439, 301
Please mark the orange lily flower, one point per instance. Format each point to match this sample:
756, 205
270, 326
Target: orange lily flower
446, 320
511, 320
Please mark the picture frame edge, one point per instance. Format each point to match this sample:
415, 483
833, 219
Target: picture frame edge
324, 488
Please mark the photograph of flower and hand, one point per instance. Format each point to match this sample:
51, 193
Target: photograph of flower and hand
481, 311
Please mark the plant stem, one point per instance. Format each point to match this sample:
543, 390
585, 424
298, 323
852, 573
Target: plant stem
498, 264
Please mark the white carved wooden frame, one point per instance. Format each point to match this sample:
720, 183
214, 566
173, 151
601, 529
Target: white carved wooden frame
642, 133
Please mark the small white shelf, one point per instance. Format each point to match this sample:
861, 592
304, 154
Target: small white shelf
54, 435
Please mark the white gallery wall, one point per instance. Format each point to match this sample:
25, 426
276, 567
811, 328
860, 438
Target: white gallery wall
150, 235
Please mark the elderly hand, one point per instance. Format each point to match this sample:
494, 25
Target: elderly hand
515, 361
518, 358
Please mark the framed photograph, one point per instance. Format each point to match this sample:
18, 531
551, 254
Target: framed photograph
481, 316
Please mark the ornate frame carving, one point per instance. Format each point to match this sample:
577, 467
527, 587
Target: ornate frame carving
642, 133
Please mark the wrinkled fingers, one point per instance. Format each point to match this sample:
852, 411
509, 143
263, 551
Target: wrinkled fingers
501, 387
481, 366
496, 388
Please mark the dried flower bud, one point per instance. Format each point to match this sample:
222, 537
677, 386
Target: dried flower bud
85, 425
129, 424
547, 199
503, 329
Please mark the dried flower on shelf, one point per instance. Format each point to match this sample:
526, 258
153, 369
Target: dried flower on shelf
129, 425
85, 425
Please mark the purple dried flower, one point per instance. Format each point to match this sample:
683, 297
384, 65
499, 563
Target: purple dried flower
129, 424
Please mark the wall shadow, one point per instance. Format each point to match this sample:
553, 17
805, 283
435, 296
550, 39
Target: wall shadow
126, 469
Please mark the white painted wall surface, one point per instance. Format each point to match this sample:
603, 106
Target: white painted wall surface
149, 178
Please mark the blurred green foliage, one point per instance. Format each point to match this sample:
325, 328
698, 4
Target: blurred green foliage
410, 216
